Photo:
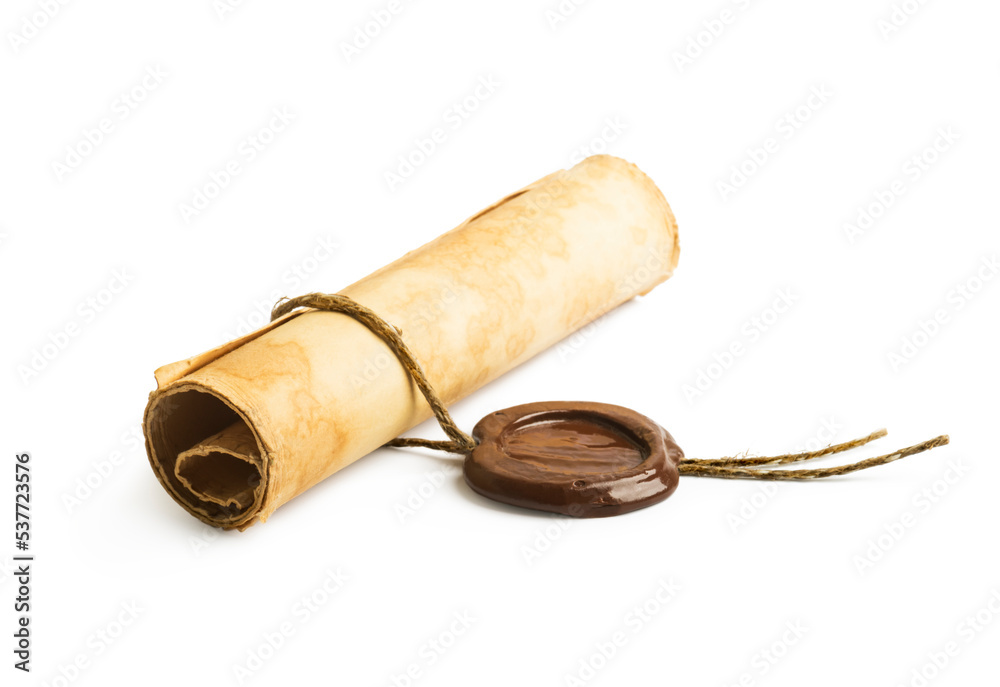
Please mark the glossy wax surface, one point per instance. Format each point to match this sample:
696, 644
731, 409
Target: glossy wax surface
578, 458
573, 447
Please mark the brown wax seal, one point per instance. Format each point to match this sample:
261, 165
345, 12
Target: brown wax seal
589, 460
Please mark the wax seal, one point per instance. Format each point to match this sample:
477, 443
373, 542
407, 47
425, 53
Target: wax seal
587, 460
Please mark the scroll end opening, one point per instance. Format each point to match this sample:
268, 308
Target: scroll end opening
207, 456
219, 477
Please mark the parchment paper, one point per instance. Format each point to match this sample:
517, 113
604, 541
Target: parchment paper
237, 431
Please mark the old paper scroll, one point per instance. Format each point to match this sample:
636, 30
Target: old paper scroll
237, 431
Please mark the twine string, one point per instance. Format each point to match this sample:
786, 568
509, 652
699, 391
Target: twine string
786, 458
460, 442
744, 468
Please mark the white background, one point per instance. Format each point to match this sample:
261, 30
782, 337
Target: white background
544, 594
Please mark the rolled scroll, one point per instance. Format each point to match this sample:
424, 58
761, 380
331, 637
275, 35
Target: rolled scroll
237, 431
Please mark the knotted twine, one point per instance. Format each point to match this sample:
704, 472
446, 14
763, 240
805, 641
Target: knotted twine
462, 443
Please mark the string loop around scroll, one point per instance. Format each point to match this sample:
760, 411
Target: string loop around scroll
333, 302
